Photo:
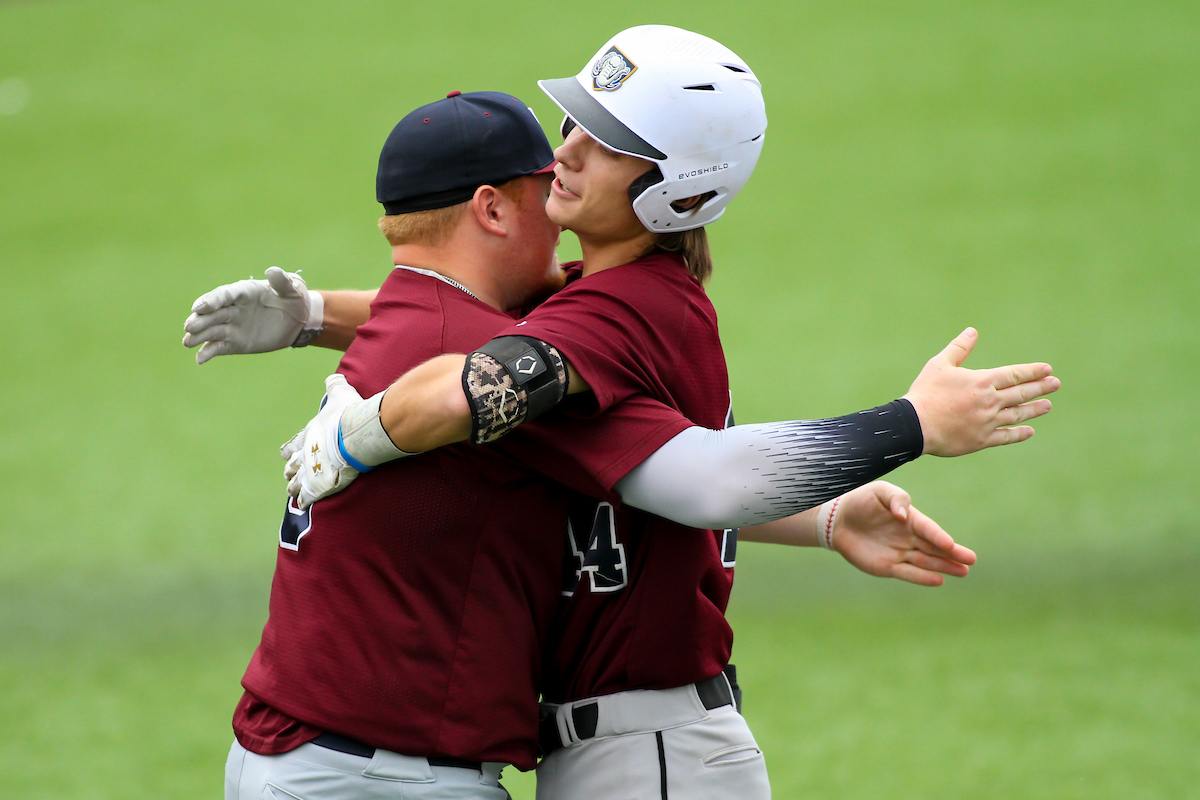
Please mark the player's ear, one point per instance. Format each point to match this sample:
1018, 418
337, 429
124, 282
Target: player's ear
487, 204
688, 203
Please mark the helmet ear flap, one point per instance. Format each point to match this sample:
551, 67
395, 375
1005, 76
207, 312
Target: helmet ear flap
651, 177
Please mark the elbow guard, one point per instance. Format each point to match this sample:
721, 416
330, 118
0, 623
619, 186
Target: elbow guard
509, 381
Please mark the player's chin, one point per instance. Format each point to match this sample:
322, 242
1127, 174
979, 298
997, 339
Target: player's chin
559, 211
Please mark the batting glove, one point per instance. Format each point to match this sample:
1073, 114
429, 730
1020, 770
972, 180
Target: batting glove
254, 316
344, 439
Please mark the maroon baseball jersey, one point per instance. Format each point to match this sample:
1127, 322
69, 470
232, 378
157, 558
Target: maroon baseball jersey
646, 597
408, 611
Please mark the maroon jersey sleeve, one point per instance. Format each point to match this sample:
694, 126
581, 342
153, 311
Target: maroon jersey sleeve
629, 329
644, 336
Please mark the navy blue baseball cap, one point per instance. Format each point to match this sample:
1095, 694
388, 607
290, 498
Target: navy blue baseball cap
441, 153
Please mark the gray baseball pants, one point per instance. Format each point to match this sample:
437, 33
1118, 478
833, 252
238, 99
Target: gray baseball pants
655, 745
311, 772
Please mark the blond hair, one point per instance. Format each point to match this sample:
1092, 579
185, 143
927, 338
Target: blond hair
433, 227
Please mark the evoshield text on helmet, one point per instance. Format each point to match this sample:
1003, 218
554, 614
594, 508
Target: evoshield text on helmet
678, 99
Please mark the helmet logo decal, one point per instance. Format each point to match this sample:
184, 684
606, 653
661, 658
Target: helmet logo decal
611, 70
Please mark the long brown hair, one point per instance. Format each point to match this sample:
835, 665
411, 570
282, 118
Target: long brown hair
692, 246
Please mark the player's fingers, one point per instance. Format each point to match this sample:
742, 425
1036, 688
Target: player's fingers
203, 327
932, 540
212, 300
913, 574
293, 489
927, 530
960, 347
305, 498
339, 391
1030, 390
281, 282
935, 563
1003, 436
1015, 374
955, 553
210, 350
899, 503
292, 445
1024, 412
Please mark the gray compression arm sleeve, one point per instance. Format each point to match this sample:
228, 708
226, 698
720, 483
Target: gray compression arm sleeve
751, 474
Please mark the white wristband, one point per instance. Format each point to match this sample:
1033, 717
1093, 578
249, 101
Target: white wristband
362, 438
826, 522
316, 311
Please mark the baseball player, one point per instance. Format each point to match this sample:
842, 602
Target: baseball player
637, 701
402, 652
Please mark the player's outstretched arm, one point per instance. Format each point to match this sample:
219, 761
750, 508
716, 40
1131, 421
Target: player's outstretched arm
259, 316
486, 395
965, 410
878, 530
344, 311
751, 474
748, 474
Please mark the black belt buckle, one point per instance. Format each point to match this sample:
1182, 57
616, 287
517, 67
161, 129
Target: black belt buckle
584, 717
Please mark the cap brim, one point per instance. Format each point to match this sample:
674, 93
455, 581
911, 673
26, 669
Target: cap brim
546, 169
577, 103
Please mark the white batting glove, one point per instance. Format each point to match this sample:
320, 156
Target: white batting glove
253, 316
344, 439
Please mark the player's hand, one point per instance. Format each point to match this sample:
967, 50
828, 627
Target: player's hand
965, 410
252, 316
877, 529
315, 466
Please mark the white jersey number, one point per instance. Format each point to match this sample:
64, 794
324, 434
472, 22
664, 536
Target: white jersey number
594, 550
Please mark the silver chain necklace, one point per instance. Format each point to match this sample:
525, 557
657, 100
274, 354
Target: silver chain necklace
440, 277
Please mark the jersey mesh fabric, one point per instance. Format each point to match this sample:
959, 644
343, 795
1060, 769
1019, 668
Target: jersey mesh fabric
411, 613
645, 597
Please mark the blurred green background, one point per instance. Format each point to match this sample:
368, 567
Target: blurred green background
1029, 168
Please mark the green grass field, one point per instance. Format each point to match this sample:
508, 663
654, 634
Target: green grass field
1030, 168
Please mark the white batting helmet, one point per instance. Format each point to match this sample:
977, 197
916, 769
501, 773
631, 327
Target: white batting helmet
680, 100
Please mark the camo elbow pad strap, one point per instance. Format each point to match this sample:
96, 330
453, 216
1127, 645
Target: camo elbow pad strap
511, 380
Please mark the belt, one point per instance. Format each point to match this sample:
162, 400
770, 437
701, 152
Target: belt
719, 690
344, 744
